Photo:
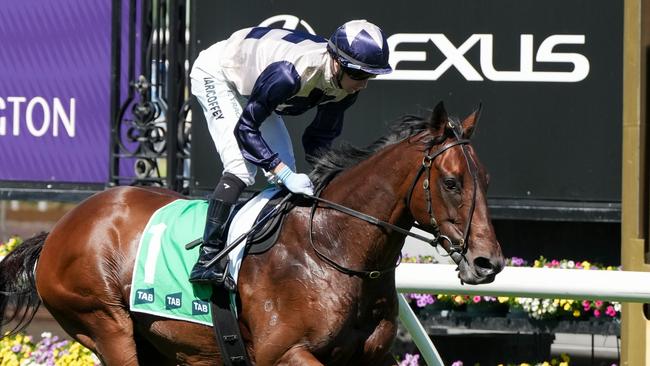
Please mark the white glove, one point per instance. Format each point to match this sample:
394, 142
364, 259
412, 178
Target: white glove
296, 183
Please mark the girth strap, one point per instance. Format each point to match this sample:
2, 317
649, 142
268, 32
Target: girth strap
226, 327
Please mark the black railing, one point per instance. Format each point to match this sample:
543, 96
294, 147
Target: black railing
149, 121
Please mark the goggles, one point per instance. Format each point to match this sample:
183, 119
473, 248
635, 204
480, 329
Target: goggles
356, 74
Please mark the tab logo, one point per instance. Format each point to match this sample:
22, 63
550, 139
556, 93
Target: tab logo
200, 307
173, 301
144, 296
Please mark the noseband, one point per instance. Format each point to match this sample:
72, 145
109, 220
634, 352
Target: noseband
460, 246
456, 250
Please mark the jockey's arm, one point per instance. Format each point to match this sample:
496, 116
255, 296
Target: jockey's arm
277, 83
326, 126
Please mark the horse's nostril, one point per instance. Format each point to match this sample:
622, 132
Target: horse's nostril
483, 263
485, 267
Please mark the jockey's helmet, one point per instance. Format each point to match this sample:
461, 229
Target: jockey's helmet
360, 45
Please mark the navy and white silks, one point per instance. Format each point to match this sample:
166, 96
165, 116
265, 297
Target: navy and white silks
246, 82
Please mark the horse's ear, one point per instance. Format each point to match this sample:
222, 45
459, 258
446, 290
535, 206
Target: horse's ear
439, 116
469, 124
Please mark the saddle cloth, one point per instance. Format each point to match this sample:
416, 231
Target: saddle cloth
160, 283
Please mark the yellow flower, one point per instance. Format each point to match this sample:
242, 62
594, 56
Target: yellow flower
565, 357
576, 313
567, 307
503, 299
537, 263
546, 364
586, 265
564, 364
11, 244
9, 359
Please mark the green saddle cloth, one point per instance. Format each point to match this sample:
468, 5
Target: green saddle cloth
160, 283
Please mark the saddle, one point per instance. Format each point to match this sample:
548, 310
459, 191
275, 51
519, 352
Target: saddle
265, 237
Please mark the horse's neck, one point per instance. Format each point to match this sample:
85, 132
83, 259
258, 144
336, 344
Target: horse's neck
376, 187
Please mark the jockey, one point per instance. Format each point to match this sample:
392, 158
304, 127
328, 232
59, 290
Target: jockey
244, 83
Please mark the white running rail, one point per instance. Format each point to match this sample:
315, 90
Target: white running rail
551, 283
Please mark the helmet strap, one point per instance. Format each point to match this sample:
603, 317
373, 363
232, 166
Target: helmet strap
339, 74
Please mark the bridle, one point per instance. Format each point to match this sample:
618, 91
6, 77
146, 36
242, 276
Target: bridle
457, 250
460, 246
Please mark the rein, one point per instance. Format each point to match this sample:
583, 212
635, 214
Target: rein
364, 217
460, 248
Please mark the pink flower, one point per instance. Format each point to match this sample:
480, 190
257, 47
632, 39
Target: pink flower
518, 262
476, 299
598, 303
597, 313
586, 304
422, 300
610, 311
410, 360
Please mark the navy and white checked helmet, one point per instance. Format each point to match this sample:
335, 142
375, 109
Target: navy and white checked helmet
360, 45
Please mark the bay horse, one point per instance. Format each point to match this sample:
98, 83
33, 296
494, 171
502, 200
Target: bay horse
296, 307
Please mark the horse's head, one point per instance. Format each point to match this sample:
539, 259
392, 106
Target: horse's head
448, 198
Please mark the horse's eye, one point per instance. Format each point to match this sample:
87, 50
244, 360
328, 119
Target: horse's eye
451, 184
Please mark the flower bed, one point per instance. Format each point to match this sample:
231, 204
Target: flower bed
21, 350
563, 360
535, 308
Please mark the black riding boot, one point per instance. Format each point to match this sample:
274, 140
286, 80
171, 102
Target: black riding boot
215, 223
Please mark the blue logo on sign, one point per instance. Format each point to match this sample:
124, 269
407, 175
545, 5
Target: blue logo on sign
173, 301
143, 296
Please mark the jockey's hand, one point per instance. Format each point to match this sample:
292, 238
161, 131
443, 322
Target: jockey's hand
295, 182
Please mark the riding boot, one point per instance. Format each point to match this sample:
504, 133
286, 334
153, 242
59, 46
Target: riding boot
215, 223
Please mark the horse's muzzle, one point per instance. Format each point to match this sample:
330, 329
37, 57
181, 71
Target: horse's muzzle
480, 270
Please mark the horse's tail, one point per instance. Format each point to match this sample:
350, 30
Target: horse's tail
18, 297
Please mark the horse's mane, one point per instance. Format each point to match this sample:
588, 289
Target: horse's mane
335, 160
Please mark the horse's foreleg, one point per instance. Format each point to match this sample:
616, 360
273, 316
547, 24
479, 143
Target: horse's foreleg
298, 356
376, 350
